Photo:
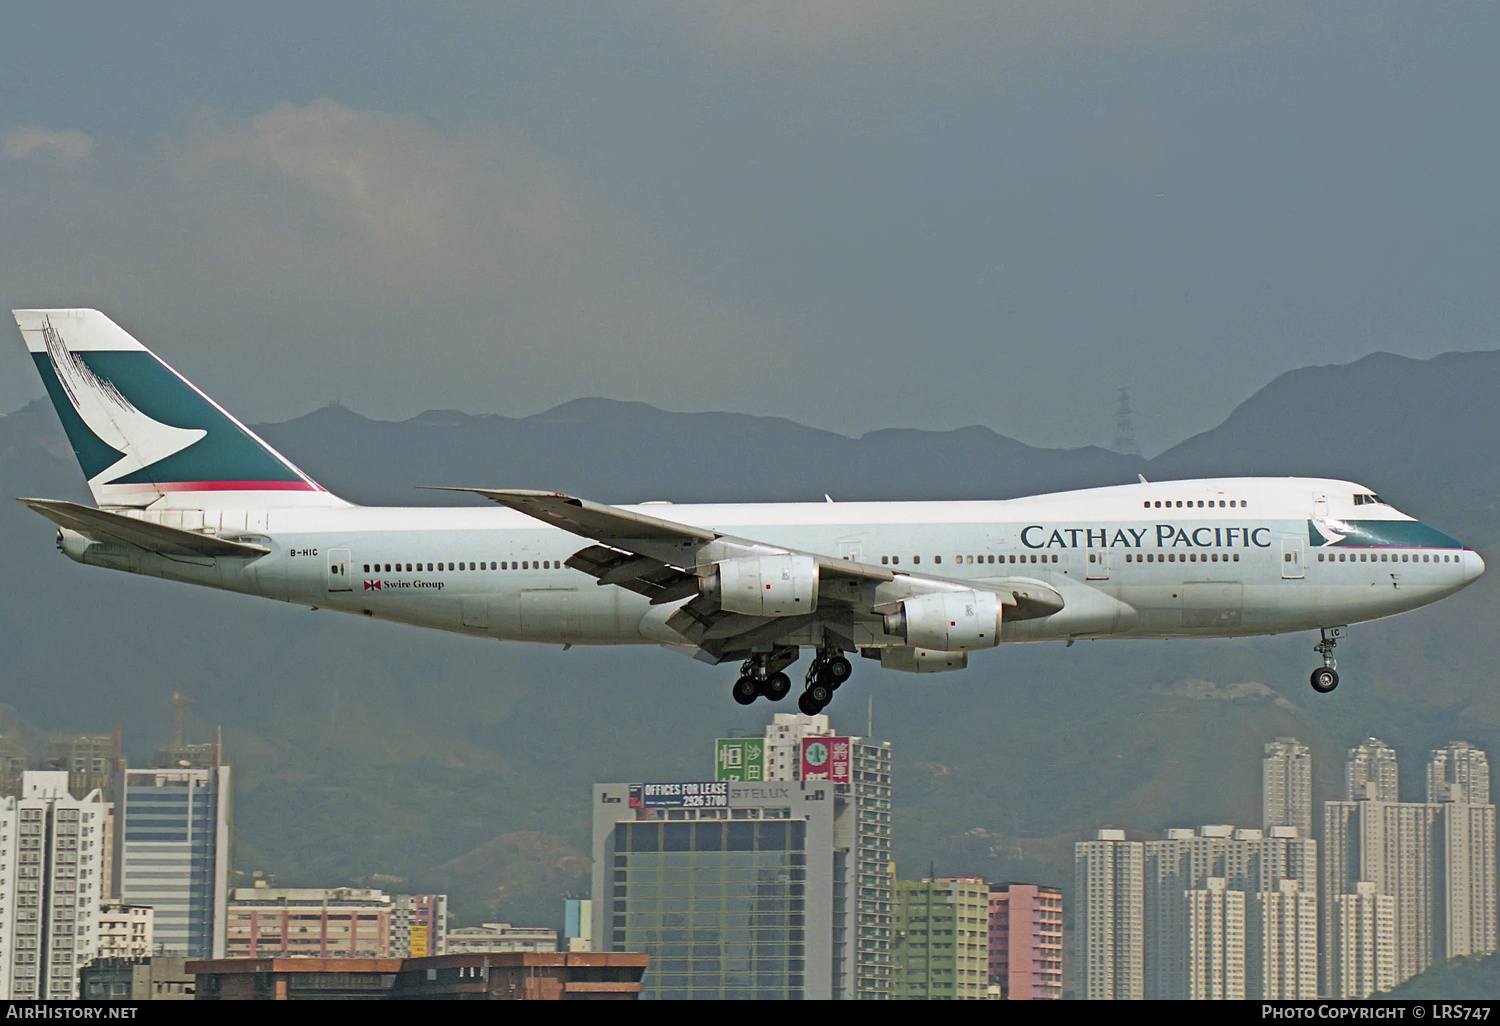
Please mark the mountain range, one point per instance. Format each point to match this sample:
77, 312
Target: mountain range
373, 752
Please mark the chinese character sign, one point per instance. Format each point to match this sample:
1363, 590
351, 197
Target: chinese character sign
826, 758
740, 758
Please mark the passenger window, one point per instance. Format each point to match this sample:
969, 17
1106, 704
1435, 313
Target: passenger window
885, 560
1158, 504
896, 560
916, 559
939, 559
992, 559
367, 568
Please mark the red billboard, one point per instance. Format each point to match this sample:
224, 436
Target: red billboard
826, 758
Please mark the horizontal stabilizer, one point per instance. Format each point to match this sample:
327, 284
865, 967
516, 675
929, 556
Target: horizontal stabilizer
122, 530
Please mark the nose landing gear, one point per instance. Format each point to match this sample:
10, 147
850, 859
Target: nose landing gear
1326, 677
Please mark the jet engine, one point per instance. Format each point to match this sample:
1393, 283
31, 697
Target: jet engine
921, 660
765, 585
950, 621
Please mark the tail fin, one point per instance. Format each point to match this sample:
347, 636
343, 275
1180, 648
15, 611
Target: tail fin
143, 433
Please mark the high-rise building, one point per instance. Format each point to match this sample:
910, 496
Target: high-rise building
1435, 860
53, 854
1459, 773
941, 949
1215, 942
1286, 786
1390, 845
1026, 936
420, 923
1458, 781
1248, 860
1370, 772
863, 908
174, 826
1281, 943
1108, 892
1361, 945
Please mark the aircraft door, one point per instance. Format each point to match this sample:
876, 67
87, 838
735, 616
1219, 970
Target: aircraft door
1291, 559
340, 567
1098, 565
1320, 505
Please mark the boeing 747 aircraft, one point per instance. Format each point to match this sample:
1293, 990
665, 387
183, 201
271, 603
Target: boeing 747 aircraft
188, 493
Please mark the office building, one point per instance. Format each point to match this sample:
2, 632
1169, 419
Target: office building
1108, 890
942, 946
53, 855
174, 826
728, 886
1026, 936
1286, 786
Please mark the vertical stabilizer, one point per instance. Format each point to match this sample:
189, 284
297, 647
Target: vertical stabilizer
143, 434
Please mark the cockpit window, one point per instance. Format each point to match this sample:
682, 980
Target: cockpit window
1367, 499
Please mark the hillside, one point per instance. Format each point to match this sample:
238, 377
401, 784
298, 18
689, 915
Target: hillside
367, 750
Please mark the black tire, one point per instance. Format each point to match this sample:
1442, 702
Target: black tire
776, 687
746, 690
1324, 679
821, 694
838, 669
807, 705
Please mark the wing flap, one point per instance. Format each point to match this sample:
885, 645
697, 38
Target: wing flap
112, 527
658, 581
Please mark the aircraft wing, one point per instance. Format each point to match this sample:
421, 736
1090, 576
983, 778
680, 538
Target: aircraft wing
103, 526
661, 559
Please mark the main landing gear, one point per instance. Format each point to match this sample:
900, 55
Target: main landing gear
1326, 677
827, 672
761, 675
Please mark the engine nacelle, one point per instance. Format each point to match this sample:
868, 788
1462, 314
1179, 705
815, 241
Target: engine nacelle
949, 621
766, 585
922, 660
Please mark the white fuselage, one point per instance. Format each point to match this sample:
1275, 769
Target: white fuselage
1203, 558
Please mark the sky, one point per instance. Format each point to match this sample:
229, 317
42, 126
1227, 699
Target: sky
856, 214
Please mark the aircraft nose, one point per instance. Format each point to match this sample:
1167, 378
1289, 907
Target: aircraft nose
1473, 566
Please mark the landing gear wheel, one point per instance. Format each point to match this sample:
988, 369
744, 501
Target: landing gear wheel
776, 687
815, 699
746, 690
1325, 679
837, 670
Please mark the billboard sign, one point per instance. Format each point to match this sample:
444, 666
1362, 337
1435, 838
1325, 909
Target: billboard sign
740, 758
826, 758
708, 794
